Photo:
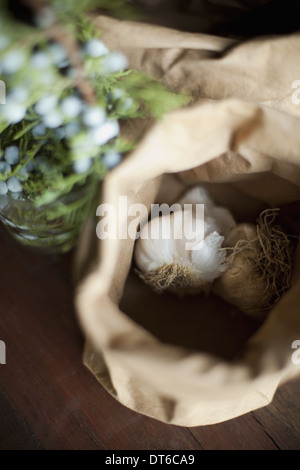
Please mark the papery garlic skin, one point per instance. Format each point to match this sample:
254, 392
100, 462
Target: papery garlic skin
219, 218
161, 254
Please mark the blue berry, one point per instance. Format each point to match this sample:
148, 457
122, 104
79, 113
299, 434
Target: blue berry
40, 60
83, 165
39, 130
53, 119
112, 159
23, 173
71, 106
17, 196
46, 104
3, 188
117, 93
11, 154
12, 61
127, 103
5, 168
104, 133
19, 94
115, 62
14, 184
93, 116
60, 133
72, 129
57, 54
14, 112
95, 48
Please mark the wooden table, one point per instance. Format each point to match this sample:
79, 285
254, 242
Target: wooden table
49, 400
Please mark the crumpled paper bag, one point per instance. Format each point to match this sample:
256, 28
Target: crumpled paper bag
241, 138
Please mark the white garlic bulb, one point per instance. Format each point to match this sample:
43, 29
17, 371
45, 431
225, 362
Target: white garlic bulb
173, 254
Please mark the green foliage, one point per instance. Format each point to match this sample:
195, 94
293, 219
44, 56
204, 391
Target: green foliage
156, 98
118, 8
59, 149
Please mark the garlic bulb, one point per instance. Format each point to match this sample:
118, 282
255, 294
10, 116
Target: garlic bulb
259, 266
171, 255
242, 284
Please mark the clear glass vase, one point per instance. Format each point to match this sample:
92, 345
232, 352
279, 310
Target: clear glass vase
39, 227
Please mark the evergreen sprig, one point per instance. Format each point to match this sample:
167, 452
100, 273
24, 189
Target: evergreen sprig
65, 96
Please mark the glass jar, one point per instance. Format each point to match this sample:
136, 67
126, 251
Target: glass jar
40, 227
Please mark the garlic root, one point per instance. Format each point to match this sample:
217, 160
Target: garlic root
259, 266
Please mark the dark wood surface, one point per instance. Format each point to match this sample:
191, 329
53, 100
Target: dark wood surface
49, 400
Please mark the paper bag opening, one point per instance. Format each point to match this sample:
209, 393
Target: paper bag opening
178, 369
241, 138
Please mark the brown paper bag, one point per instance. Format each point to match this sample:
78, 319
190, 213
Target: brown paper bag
197, 360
